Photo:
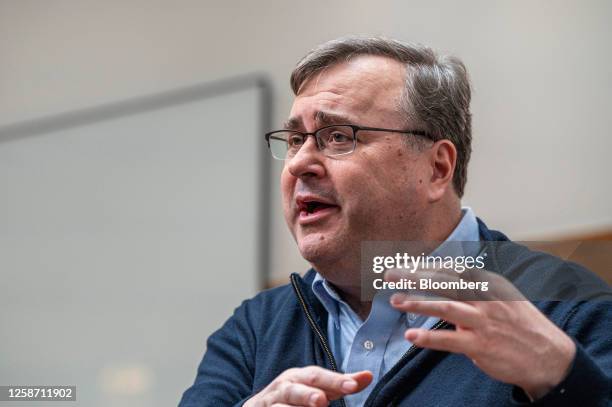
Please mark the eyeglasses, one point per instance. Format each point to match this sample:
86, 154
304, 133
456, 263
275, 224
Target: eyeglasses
332, 140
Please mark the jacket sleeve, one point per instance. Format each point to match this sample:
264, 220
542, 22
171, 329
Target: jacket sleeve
589, 381
225, 375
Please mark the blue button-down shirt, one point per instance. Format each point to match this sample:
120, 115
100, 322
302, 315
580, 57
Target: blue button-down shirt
378, 343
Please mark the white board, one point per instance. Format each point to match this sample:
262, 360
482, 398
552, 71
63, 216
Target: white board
125, 242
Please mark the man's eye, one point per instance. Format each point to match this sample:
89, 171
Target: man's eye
295, 140
338, 137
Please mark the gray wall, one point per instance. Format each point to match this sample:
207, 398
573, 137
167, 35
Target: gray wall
117, 258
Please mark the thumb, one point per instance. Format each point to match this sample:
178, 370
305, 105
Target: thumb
363, 379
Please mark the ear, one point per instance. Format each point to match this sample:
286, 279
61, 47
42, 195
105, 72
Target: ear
442, 159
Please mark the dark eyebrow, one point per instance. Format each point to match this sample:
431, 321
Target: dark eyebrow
325, 119
293, 123
320, 117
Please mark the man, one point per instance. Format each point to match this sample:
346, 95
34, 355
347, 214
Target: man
376, 149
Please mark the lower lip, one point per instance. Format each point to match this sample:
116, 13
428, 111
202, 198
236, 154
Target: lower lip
306, 218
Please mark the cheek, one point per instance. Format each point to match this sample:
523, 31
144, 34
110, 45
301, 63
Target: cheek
392, 182
287, 183
407, 171
361, 191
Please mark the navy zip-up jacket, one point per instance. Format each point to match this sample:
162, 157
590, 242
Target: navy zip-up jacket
285, 327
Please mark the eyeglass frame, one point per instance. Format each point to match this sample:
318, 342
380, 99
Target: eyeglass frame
355, 129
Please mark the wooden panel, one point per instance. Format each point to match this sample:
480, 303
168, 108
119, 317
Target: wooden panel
592, 250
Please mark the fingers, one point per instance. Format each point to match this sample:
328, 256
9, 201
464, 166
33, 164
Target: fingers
311, 386
363, 379
299, 394
333, 383
293, 394
459, 313
444, 340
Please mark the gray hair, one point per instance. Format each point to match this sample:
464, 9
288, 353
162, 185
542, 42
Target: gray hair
436, 94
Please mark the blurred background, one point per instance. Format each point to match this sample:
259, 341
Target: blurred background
138, 205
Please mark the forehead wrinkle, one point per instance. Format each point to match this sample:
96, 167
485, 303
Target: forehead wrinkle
363, 86
323, 107
374, 93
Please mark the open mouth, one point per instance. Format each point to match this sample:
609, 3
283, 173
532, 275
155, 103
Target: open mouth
311, 208
315, 206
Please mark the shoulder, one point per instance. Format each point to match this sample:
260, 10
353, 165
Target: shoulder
278, 306
284, 294
541, 276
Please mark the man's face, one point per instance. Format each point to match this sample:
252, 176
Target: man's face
375, 193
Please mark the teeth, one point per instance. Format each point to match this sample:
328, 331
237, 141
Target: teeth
311, 207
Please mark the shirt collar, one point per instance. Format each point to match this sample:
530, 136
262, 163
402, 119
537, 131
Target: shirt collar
327, 295
465, 231
459, 242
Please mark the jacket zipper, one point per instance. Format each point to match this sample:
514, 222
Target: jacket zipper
330, 357
392, 371
314, 327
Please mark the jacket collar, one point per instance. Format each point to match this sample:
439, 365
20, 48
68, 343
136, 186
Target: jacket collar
490, 235
304, 284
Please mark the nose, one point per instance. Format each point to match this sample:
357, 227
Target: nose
307, 162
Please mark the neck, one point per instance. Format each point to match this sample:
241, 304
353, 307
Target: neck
441, 222
352, 297
437, 225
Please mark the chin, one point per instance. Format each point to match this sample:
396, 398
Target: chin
315, 247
